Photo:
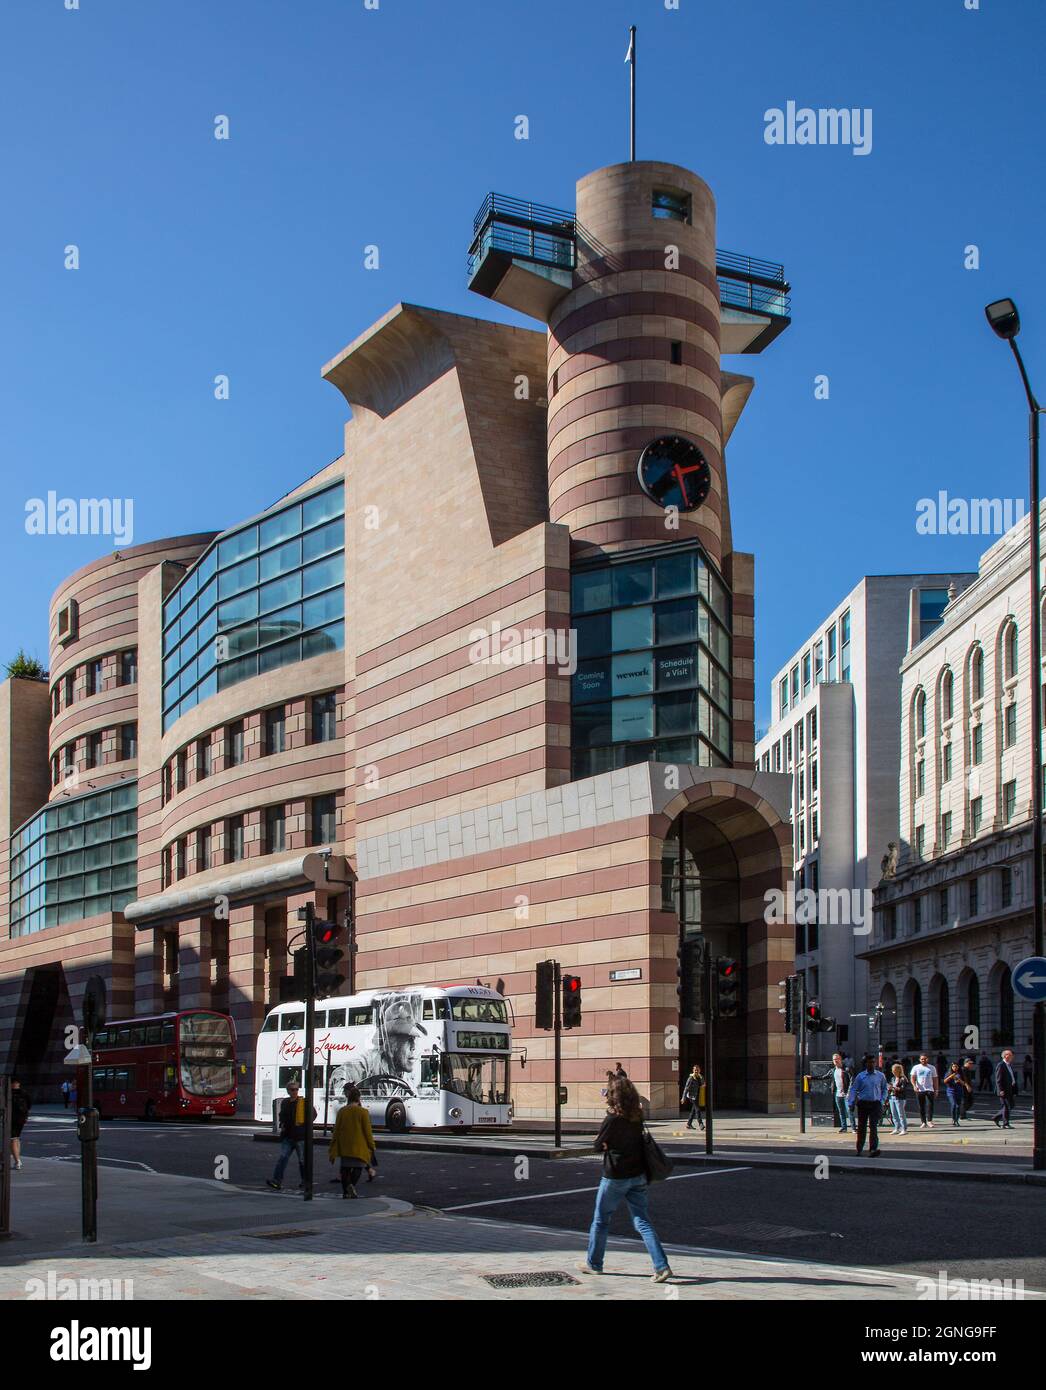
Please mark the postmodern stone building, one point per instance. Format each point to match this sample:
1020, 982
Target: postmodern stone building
485, 683
955, 917
835, 731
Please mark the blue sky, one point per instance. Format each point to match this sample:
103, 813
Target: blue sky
351, 126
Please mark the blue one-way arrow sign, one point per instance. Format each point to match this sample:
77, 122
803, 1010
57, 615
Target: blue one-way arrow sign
1029, 978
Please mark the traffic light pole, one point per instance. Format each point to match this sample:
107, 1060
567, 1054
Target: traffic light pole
800, 1046
557, 1020
709, 1051
310, 1042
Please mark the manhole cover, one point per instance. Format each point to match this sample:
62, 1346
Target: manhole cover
279, 1235
534, 1279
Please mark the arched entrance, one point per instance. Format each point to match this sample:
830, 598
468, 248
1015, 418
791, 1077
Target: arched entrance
912, 1017
1001, 1019
724, 861
940, 1014
890, 1029
701, 884
969, 1005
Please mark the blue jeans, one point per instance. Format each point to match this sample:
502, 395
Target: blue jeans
612, 1191
899, 1115
844, 1114
288, 1147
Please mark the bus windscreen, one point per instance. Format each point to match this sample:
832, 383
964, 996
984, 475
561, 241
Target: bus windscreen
206, 1055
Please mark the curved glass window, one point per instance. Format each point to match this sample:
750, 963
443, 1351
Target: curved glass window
74, 860
238, 612
653, 675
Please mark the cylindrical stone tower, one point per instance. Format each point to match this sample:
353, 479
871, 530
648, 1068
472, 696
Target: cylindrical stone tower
633, 353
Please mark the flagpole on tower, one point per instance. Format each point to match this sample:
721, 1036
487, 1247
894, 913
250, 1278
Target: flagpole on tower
630, 58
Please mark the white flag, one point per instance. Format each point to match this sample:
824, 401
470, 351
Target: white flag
631, 49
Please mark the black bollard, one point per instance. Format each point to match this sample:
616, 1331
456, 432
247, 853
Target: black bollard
87, 1129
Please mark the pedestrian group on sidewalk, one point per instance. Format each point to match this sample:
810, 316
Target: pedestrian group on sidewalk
859, 1098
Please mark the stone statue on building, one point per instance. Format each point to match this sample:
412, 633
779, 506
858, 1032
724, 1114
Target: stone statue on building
888, 863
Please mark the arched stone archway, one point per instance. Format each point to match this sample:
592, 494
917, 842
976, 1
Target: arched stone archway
725, 856
890, 1032
912, 1017
968, 1006
939, 1015
1000, 1012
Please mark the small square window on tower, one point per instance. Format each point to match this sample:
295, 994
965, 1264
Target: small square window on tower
676, 354
68, 622
671, 204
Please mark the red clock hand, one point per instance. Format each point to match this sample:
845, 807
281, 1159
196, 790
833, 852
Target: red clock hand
678, 471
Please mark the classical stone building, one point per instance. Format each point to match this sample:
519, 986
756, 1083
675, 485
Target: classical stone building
835, 731
955, 917
342, 700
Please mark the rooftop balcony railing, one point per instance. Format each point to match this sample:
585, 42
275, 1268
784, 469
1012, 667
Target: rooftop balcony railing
527, 231
549, 237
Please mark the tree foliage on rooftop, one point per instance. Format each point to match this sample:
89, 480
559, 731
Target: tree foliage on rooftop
27, 667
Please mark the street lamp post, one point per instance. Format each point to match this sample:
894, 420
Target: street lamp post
1005, 321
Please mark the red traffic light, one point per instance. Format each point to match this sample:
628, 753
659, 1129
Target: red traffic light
325, 932
573, 984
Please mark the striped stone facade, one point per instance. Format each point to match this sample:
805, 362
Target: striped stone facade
445, 777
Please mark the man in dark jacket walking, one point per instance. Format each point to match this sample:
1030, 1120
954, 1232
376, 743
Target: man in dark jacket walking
21, 1104
695, 1083
292, 1134
1005, 1089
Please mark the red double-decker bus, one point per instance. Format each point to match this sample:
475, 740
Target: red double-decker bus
166, 1066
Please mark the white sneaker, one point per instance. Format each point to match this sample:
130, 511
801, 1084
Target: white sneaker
18, 1164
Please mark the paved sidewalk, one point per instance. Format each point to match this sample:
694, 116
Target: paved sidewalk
186, 1238
191, 1238
136, 1206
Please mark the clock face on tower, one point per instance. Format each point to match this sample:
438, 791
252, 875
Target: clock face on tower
674, 473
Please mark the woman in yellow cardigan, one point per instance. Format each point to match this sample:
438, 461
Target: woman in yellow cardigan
353, 1142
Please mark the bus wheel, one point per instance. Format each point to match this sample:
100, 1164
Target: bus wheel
150, 1111
396, 1117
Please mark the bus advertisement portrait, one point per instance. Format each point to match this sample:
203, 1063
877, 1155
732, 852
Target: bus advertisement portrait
414, 1065
391, 1059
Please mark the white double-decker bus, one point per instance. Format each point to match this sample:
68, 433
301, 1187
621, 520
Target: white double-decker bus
424, 1057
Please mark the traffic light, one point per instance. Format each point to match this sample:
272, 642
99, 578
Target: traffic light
294, 987
728, 987
689, 960
790, 999
571, 1013
328, 949
816, 1022
544, 995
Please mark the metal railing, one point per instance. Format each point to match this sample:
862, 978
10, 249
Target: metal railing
523, 243
756, 298
548, 236
499, 207
750, 268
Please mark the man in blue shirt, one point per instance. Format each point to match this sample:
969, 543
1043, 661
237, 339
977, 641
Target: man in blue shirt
867, 1093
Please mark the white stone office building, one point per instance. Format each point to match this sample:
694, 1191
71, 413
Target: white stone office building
956, 916
836, 731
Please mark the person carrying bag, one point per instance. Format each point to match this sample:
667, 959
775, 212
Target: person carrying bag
632, 1160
